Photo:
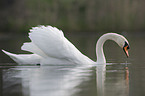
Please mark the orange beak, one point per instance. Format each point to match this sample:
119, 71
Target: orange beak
126, 50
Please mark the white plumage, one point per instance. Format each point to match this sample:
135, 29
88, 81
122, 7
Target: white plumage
49, 46
24, 58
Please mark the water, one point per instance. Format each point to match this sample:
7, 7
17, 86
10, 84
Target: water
121, 77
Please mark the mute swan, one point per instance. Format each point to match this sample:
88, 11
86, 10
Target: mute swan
49, 46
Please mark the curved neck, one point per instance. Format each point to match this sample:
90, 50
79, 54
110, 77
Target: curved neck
99, 46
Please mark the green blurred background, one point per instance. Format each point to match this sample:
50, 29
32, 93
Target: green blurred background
18, 16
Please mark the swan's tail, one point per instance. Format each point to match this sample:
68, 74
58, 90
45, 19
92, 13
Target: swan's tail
24, 58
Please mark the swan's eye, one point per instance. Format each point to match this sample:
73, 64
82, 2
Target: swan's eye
126, 45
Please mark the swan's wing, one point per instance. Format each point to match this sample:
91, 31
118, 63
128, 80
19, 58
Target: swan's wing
50, 41
31, 47
24, 58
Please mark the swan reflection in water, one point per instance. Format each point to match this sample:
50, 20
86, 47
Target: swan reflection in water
55, 80
80, 80
100, 77
121, 86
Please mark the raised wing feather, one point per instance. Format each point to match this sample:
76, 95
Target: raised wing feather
30, 46
49, 41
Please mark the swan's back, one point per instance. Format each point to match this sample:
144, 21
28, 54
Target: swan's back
50, 43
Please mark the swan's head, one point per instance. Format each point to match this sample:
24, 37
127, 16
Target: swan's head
123, 43
125, 48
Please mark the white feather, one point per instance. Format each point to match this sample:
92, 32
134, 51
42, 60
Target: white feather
31, 47
51, 47
24, 58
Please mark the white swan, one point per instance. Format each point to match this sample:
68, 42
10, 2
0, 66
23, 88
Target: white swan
49, 46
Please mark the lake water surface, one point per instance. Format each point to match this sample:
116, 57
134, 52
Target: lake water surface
120, 77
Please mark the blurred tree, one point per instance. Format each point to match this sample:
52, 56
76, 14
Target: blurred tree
73, 15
